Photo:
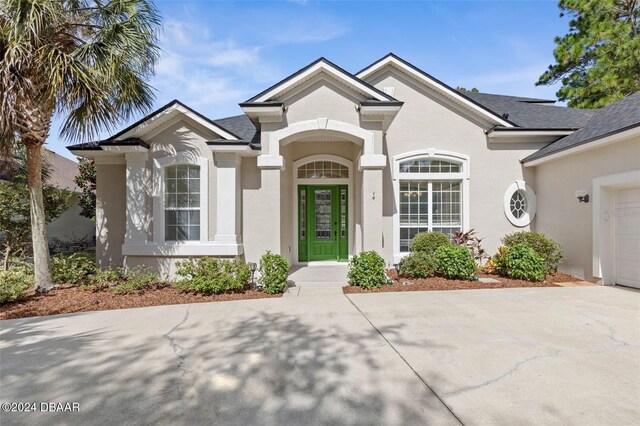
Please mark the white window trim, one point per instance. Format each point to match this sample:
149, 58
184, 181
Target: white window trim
159, 168
432, 154
301, 181
526, 218
161, 248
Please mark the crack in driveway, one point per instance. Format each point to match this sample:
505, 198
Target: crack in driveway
177, 351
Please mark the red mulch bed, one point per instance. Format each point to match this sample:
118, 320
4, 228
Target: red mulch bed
439, 283
68, 299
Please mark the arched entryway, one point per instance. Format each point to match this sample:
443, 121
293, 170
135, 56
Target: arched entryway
323, 206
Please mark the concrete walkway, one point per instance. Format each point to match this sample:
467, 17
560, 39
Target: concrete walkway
317, 279
511, 356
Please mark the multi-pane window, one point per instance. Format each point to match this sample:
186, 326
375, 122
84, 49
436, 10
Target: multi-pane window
303, 214
323, 170
182, 203
429, 166
426, 202
343, 214
518, 204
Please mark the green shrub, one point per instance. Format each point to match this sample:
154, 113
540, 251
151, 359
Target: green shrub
418, 265
497, 263
367, 270
71, 269
522, 262
212, 275
429, 242
545, 247
136, 279
15, 282
455, 262
107, 277
274, 270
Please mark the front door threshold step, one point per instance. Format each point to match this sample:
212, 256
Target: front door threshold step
314, 289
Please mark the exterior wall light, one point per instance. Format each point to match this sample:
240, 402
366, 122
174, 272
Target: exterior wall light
582, 196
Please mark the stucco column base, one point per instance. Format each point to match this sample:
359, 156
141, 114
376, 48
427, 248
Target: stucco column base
372, 209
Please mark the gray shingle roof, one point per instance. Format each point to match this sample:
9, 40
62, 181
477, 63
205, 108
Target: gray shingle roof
532, 112
614, 118
241, 126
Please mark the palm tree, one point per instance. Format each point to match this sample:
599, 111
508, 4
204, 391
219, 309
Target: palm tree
85, 60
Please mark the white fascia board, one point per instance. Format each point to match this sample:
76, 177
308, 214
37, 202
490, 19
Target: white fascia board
275, 111
169, 113
320, 66
526, 136
242, 150
452, 94
124, 148
379, 109
587, 146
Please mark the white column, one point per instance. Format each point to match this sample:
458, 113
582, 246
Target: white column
227, 198
372, 209
136, 197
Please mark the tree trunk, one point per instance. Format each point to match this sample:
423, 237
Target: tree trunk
42, 263
7, 251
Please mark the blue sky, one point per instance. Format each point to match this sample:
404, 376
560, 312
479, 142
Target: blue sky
218, 53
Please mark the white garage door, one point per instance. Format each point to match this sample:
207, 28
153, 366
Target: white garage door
628, 236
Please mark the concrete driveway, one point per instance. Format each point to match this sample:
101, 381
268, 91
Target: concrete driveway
513, 356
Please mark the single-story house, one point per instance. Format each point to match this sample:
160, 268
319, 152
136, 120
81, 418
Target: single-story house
327, 163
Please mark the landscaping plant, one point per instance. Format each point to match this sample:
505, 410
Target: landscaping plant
545, 247
211, 275
455, 262
429, 242
522, 262
367, 270
136, 279
473, 243
274, 271
417, 265
15, 282
72, 269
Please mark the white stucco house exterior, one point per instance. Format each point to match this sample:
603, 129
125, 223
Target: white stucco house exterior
327, 163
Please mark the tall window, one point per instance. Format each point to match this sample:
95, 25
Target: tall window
430, 198
182, 203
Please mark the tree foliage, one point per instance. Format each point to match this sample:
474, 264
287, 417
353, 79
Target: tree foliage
598, 61
464, 89
15, 221
86, 181
87, 61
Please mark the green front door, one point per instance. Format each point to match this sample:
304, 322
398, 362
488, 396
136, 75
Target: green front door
323, 222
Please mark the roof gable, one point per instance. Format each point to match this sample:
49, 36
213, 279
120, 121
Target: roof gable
456, 98
307, 73
164, 115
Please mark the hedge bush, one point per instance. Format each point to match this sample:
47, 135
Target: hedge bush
545, 247
418, 265
367, 270
520, 261
136, 279
429, 242
15, 282
274, 271
211, 275
72, 269
455, 262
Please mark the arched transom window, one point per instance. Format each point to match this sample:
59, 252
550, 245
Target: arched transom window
430, 197
323, 170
